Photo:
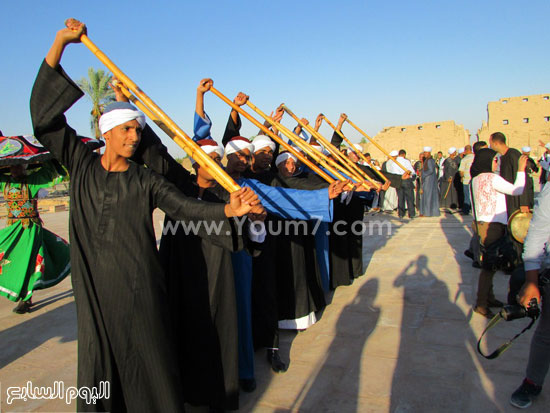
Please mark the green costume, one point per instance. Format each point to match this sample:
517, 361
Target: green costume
31, 257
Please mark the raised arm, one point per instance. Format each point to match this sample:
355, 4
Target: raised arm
337, 139
54, 93
233, 127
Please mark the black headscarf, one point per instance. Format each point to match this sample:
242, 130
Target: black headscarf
483, 162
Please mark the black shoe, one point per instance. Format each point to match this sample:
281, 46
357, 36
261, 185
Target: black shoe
495, 303
274, 359
476, 264
484, 311
248, 385
23, 307
469, 254
523, 397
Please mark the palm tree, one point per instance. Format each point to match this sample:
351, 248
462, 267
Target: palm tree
98, 90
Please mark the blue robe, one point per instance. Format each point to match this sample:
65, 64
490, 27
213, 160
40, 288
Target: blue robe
429, 204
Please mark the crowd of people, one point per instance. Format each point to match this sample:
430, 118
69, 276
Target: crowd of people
175, 328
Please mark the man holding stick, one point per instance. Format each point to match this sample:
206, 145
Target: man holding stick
124, 335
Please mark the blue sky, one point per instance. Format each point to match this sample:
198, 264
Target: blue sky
382, 63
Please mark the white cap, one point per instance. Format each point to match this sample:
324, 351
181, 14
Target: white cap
209, 146
358, 147
319, 148
394, 153
238, 143
427, 148
451, 150
262, 141
283, 157
526, 149
547, 146
460, 150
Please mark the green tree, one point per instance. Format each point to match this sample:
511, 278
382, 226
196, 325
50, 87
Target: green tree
363, 140
97, 89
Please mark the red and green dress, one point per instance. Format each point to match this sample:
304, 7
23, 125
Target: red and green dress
31, 257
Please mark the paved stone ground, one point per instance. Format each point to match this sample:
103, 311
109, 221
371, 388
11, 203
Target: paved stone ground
401, 339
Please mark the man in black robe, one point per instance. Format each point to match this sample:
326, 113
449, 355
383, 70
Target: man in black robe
449, 194
346, 246
530, 169
509, 158
124, 327
201, 287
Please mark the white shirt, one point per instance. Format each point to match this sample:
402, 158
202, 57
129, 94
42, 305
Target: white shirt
393, 168
489, 191
465, 165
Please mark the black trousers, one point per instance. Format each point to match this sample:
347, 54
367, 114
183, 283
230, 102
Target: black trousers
405, 195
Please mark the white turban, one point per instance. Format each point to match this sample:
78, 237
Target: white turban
118, 113
283, 157
358, 147
238, 143
209, 146
526, 149
451, 150
547, 146
319, 148
262, 141
427, 148
394, 153
461, 150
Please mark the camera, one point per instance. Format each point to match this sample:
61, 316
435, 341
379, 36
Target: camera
513, 312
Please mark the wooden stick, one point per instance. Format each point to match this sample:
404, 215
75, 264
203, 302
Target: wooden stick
335, 152
353, 169
304, 146
181, 143
376, 144
360, 153
273, 136
164, 122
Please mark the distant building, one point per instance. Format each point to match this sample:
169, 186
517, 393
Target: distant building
439, 135
523, 119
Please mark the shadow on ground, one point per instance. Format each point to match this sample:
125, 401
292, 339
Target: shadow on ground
24, 337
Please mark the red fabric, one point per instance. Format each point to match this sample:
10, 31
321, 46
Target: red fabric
26, 149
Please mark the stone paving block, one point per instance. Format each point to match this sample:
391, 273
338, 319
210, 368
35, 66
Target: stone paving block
341, 402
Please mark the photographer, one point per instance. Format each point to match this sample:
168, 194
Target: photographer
536, 258
491, 218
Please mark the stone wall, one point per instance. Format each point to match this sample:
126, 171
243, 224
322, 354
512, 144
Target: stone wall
439, 135
523, 119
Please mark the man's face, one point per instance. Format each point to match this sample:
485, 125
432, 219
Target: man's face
353, 156
202, 172
368, 158
439, 155
124, 139
239, 161
263, 158
287, 168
